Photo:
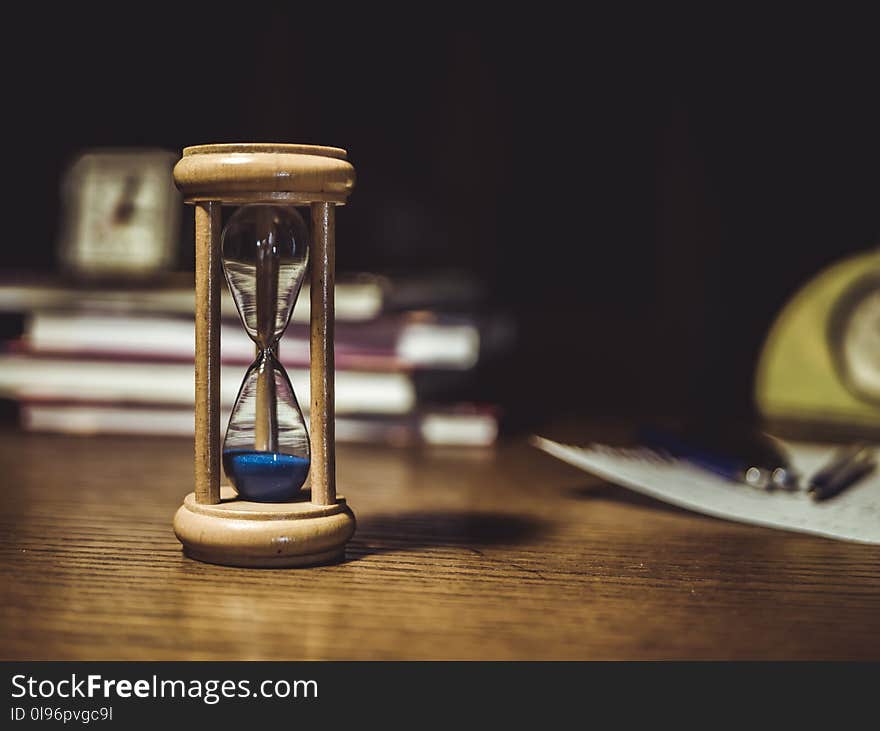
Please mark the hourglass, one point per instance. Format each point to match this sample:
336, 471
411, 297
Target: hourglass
266, 449
265, 517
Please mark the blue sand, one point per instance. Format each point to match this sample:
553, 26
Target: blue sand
265, 477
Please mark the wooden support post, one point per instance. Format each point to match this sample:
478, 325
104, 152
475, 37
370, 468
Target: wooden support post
322, 413
208, 276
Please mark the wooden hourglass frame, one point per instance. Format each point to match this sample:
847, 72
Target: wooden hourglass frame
213, 524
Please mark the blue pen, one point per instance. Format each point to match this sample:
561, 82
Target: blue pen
846, 468
763, 475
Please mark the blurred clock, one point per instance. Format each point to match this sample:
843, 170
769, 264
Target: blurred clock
854, 336
122, 214
820, 365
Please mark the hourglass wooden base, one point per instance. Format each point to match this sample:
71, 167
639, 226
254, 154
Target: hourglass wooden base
264, 535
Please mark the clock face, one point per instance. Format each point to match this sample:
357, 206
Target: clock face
855, 338
123, 213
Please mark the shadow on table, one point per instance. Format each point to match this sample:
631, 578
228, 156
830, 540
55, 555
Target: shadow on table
411, 531
615, 493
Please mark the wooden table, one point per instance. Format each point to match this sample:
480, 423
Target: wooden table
507, 554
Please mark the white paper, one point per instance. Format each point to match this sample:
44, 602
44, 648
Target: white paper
854, 515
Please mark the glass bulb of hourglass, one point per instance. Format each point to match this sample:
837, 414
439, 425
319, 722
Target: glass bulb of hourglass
266, 451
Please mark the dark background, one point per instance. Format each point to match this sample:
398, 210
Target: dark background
643, 192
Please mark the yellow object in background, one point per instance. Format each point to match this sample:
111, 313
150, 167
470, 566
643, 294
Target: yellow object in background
820, 364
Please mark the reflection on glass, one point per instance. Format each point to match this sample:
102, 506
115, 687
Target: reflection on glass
266, 452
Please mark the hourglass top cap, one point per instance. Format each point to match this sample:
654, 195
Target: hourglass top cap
261, 172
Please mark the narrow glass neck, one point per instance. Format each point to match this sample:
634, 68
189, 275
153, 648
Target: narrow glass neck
266, 411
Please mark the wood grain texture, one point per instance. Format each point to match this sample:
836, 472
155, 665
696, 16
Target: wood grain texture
506, 554
262, 172
226, 148
321, 354
207, 353
264, 535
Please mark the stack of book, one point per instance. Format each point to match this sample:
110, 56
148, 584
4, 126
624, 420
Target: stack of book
100, 360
